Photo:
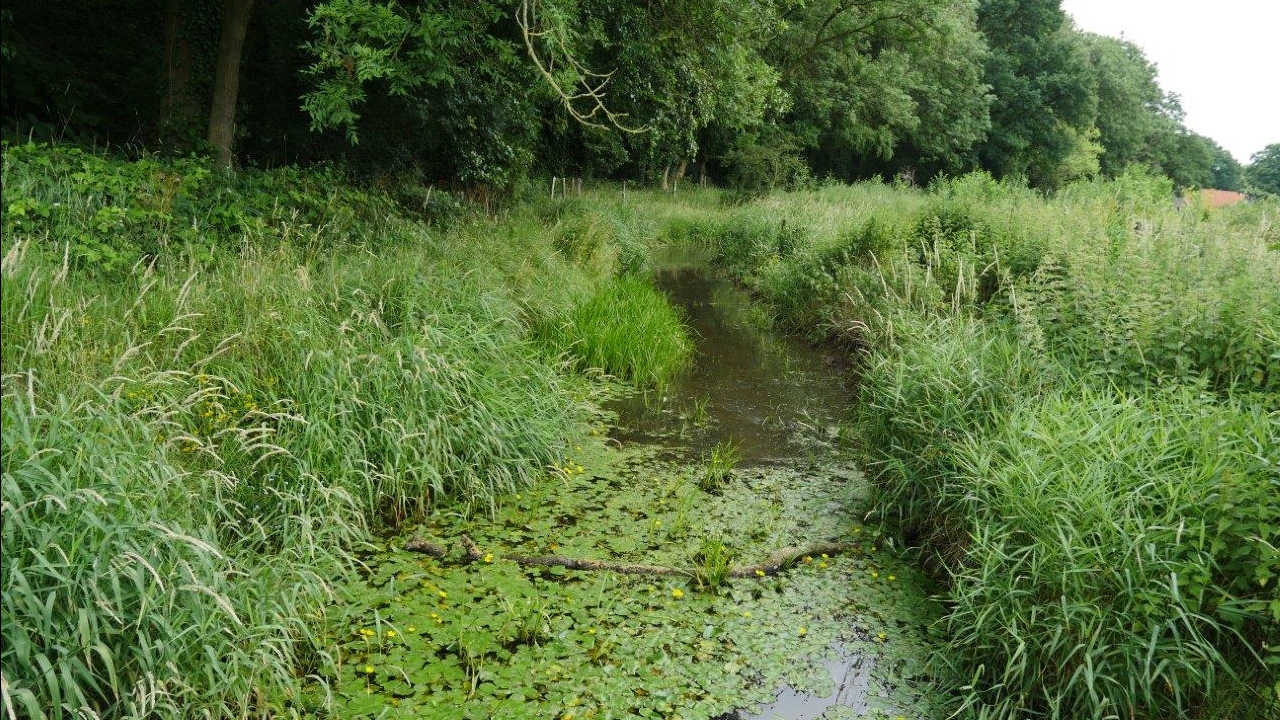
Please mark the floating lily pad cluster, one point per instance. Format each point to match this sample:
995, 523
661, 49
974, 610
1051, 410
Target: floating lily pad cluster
449, 637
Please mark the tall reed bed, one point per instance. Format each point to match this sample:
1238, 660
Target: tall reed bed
194, 444
1071, 405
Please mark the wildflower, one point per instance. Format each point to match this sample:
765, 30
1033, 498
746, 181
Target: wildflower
591, 631
368, 669
411, 628
826, 556
746, 613
803, 630
881, 636
892, 578
488, 557
677, 593
823, 566
759, 572
366, 632
443, 594
391, 633
875, 574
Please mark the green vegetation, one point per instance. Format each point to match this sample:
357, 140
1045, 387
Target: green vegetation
423, 637
199, 431
485, 95
626, 328
1073, 406
284, 283
718, 465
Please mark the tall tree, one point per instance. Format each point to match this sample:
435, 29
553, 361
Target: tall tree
1263, 172
1044, 101
226, 79
1132, 108
875, 85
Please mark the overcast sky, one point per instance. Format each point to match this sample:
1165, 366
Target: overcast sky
1221, 56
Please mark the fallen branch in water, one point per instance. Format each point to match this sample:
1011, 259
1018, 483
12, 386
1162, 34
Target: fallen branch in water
776, 562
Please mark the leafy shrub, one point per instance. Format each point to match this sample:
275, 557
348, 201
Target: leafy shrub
108, 215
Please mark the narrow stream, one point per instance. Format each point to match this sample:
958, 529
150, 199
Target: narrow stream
440, 636
771, 395
780, 401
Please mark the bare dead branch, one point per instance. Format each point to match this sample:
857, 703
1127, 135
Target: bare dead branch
592, 93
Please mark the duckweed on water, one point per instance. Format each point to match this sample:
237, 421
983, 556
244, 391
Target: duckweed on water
448, 639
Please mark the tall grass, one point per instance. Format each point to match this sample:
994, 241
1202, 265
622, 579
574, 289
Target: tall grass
1070, 403
1118, 546
196, 440
626, 328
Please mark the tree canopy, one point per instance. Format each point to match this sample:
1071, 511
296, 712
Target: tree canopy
488, 92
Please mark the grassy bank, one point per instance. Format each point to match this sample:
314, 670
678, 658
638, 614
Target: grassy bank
1073, 405
216, 388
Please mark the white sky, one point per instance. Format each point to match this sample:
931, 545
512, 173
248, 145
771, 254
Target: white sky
1221, 56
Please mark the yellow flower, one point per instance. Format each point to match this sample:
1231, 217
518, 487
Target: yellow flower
825, 556
443, 594
368, 669
391, 633
591, 631
808, 558
893, 577
881, 637
875, 574
759, 572
411, 628
677, 593
488, 557
823, 566
803, 630
746, 613
366, 632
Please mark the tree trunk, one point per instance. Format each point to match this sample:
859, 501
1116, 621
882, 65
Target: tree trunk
178, 111
226, 78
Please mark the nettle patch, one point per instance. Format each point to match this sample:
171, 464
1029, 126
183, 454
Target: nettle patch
428, 637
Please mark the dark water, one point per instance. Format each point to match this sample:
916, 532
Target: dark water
775, 397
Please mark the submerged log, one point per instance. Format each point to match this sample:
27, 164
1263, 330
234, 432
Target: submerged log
776, 562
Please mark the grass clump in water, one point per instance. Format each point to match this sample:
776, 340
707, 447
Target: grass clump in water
718, 466
626, 328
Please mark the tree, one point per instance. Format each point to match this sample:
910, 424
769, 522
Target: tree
1044, 97
226, 79
1228, 174
1132, 108
879, 85
1263, 172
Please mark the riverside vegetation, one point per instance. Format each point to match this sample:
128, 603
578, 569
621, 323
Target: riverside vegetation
222, 394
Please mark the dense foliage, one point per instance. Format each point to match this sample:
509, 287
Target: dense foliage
219, 384
212, 398
1073, 407
485, 94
